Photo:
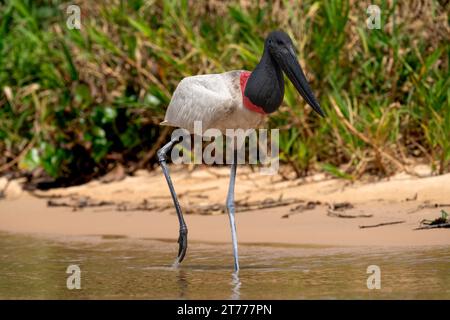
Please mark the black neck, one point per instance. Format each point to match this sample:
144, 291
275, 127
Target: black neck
265, 87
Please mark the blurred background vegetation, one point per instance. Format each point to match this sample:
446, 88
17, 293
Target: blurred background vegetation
76, 103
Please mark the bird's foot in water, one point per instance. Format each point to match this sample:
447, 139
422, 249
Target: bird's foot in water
182, 241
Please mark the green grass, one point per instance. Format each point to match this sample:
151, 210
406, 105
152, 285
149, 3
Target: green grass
76, 102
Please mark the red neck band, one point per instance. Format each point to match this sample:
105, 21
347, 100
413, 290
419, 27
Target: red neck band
247, 103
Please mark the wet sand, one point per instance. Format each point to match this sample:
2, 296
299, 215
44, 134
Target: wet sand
401, 198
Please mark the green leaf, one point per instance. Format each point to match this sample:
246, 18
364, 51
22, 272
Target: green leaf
334, 171
31, 160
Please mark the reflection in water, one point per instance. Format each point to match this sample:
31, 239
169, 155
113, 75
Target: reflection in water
236, 289
182, 282
33, 268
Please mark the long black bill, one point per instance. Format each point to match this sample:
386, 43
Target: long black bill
294, 71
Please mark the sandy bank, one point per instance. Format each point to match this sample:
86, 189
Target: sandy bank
140, 206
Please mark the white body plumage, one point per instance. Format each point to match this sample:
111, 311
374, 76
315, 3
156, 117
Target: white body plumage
214, 99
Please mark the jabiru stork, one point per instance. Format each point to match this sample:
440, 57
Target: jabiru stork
236, 99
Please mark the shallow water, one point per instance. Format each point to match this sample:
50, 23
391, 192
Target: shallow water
114, 268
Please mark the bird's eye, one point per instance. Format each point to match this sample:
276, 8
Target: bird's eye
270, 41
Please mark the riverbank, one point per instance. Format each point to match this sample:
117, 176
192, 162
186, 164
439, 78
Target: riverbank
316, 210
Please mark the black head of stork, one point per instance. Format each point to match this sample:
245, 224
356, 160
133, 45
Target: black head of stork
265, 87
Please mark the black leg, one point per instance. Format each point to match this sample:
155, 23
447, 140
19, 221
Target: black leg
162, 158
231, 210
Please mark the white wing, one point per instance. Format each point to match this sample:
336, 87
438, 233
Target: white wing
204, 98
